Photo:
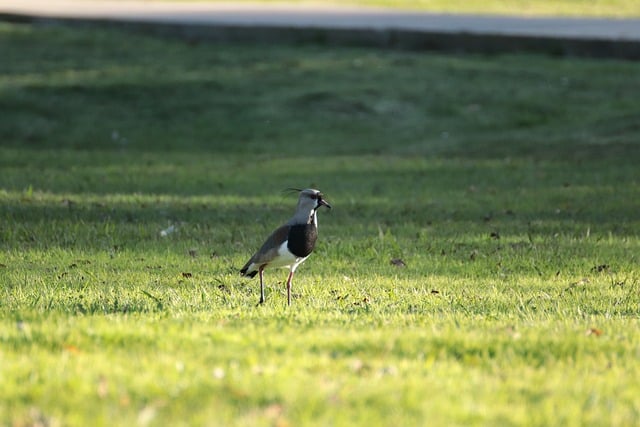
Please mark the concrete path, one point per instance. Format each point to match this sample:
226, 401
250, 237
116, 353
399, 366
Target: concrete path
355, 25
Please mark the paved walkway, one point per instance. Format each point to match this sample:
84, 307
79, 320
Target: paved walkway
593, 37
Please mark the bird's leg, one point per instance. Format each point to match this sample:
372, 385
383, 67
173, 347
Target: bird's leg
262, 299
289, 287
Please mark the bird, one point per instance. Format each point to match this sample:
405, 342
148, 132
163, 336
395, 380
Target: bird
290, 244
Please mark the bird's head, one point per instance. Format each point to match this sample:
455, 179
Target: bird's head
311, 199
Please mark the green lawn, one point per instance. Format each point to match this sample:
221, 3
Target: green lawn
507, 185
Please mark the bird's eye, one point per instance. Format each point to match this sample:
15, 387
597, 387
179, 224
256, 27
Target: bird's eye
314, 196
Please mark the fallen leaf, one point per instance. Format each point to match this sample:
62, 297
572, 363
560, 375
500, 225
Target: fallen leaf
125, 400
600, 268
37, 418
103, 387
273, 411
580, 282
357, 365
434, 292
398, 262
360, 367
187, 275
72, 349
594, 331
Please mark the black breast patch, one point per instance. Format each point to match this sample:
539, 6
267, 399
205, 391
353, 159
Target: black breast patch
302, 239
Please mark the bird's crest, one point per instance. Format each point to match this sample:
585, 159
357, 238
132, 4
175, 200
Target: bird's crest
291, 190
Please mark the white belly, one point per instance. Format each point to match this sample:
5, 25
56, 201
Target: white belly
286, 258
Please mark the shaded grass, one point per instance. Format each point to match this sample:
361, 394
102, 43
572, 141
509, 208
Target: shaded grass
507, 185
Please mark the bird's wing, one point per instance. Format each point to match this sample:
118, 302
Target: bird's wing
268, 251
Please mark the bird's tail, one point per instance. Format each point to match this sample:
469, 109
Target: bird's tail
249, 274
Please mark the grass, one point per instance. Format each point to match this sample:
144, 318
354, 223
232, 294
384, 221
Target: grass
579, 8
610, 8
506, 185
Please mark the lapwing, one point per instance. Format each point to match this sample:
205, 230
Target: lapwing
291, 244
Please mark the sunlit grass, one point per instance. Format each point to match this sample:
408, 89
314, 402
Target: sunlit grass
585, 8
613, 8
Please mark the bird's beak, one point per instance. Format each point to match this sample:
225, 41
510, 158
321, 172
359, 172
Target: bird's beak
323, 202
